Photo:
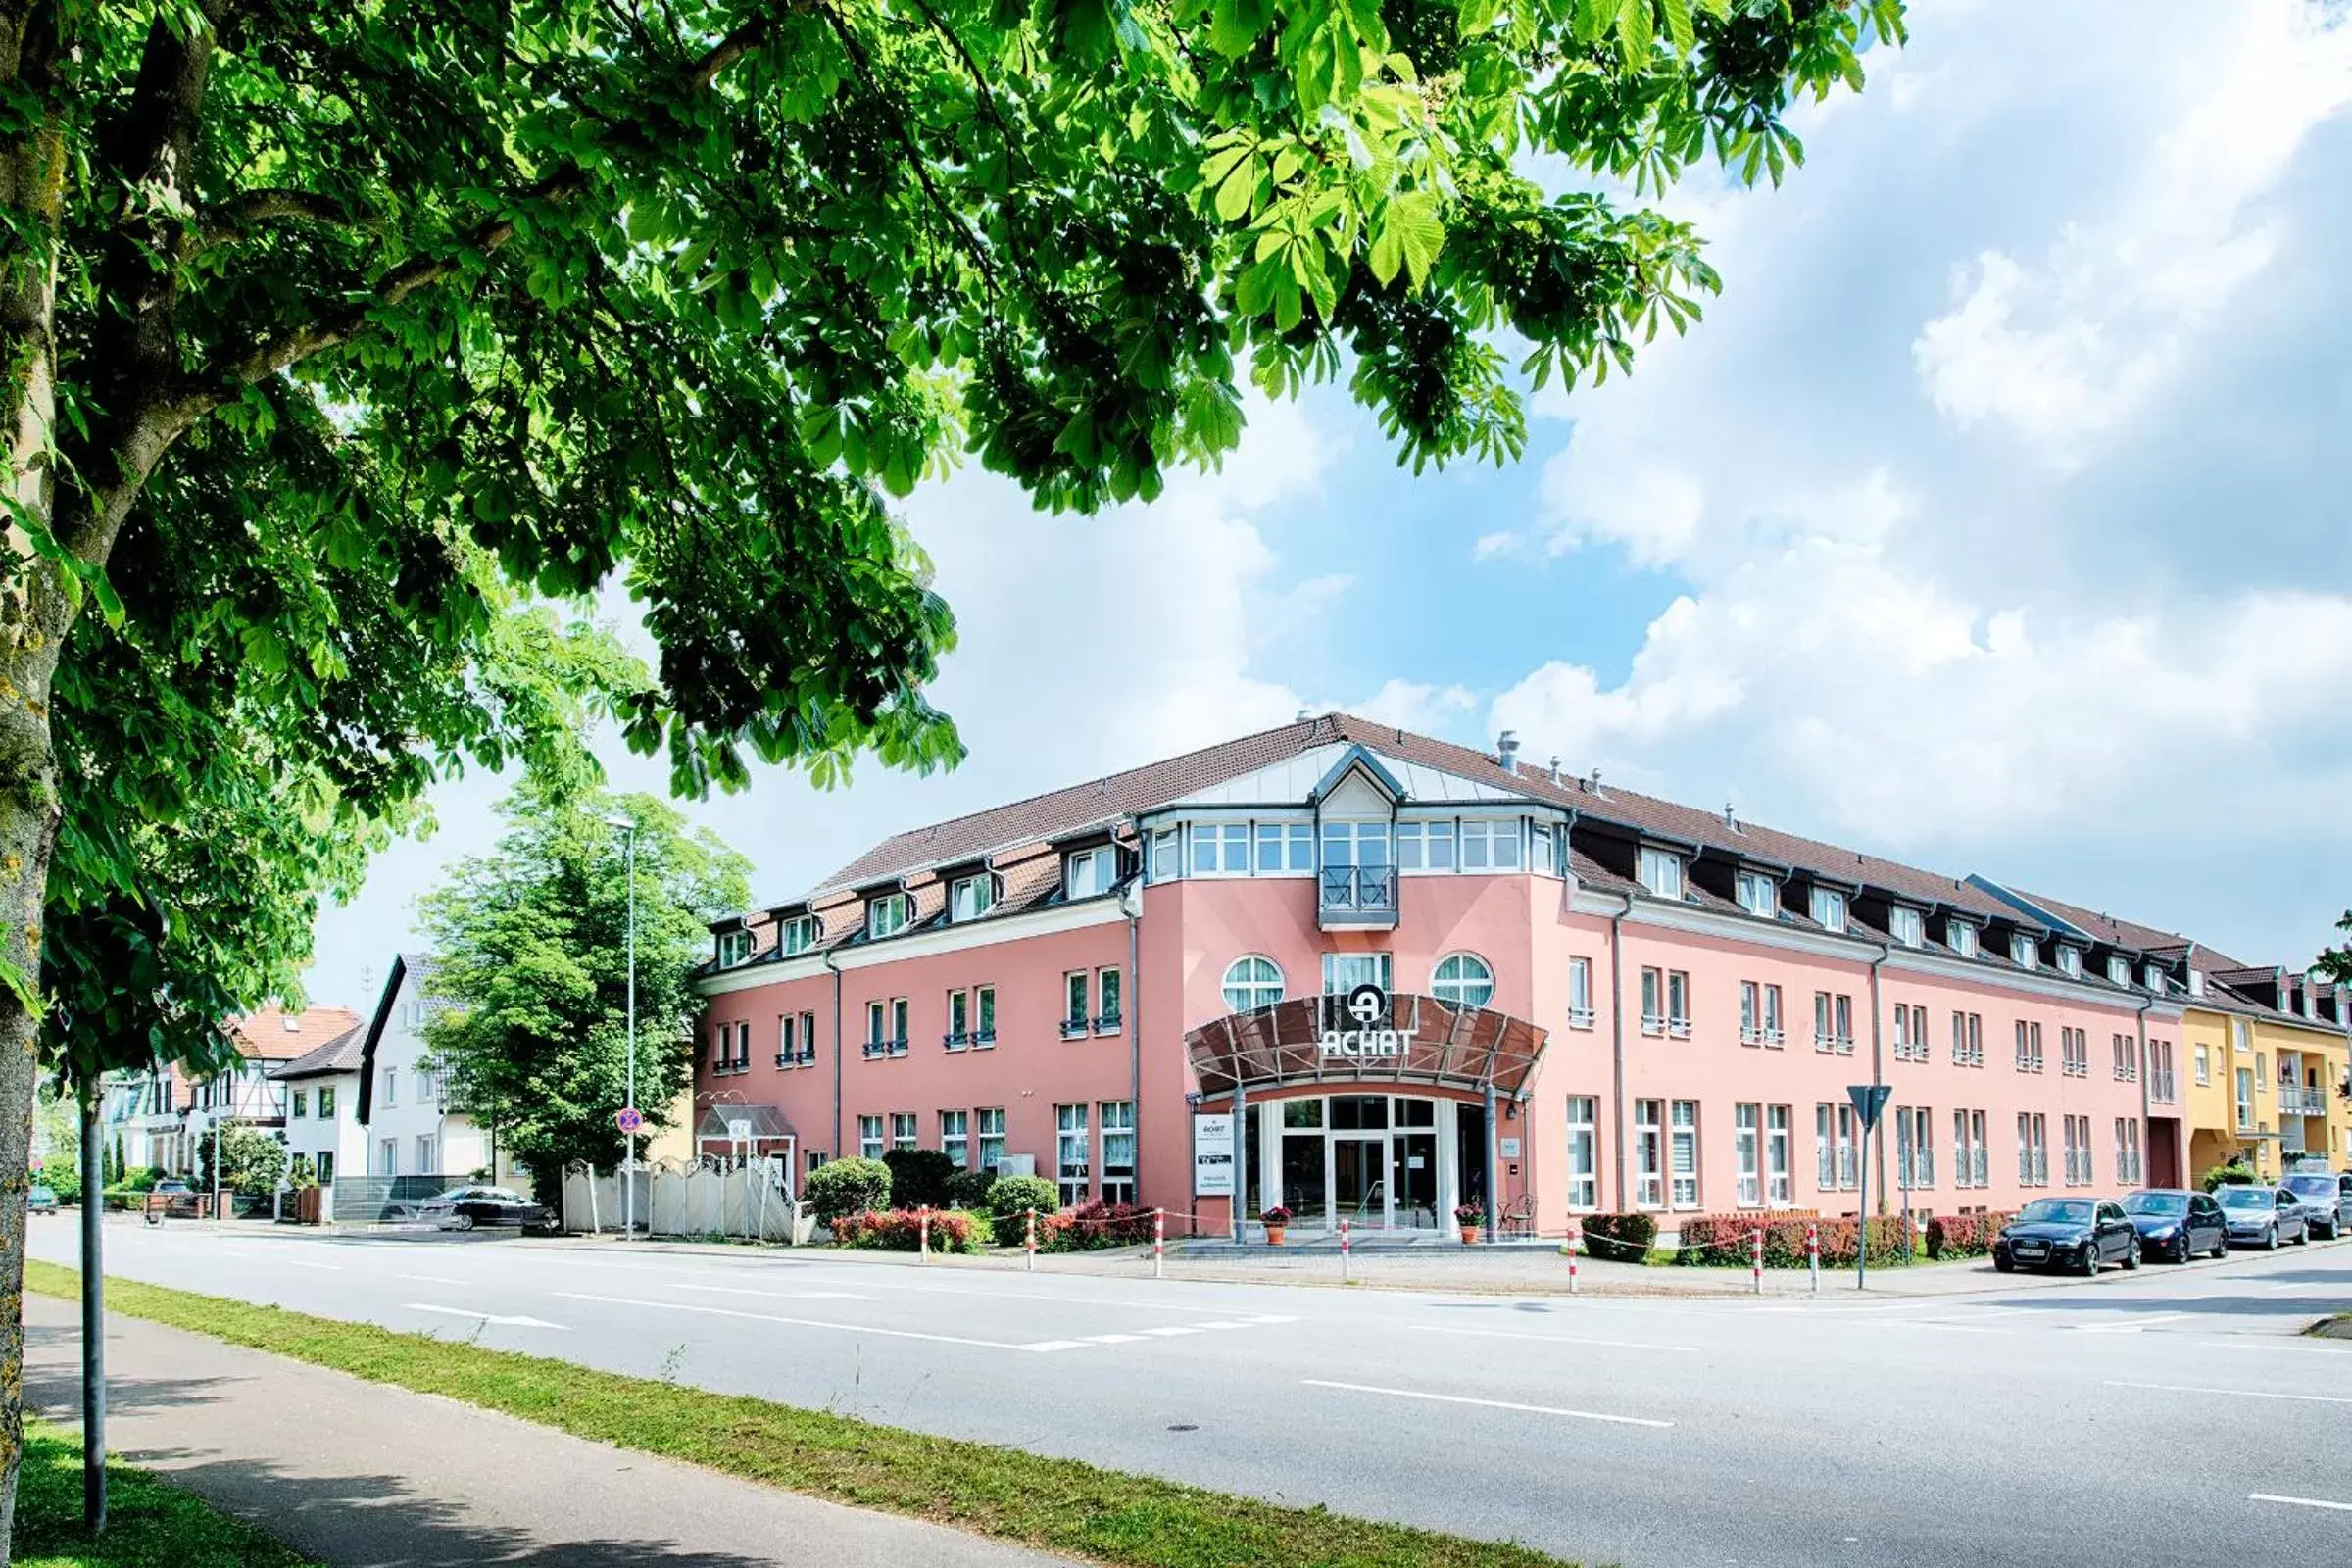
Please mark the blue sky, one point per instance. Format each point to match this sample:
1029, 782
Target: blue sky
1993, 518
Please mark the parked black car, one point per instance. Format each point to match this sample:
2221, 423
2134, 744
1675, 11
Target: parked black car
2076, 1233
462, 1209
2323, 1202
2262, 1216
2177, 1225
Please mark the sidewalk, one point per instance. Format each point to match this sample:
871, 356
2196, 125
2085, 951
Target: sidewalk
361, 1475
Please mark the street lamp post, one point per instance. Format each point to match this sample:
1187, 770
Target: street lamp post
628, 1174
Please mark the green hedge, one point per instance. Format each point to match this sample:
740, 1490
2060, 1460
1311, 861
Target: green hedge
1727, 1240
1964, 1235
847, 1187
1011, 1196
1620, 1238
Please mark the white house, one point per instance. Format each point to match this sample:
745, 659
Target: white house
161, 1116
322, 1094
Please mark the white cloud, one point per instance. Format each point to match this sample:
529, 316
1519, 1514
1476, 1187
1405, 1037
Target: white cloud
2061, 350
1429, 709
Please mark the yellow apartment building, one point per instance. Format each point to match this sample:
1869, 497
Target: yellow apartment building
2267, 1055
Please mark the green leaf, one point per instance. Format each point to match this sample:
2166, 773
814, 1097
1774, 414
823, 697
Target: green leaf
1637, 32
1234, 195
1680, 31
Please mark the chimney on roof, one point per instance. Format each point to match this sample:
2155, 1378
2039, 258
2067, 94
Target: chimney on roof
1593, 784
1302, 715
1507, 750
1731, 817
1555, 769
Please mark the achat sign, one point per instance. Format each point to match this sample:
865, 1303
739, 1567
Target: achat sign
1367, 1005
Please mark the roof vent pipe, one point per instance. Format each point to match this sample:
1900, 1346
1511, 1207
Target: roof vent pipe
1593, 784
1555, 769
1730, 819
1302, 715
1507, 750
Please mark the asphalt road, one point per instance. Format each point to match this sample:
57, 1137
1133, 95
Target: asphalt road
2167, 1416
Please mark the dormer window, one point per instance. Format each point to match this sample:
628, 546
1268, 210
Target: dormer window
1828, 908
1960, 936
2069, 962
1758, 897
797, 935
1661, 871
2024, 951
734, 947
1090, 871
971, 897
2119, 971
1907, 928
887, 916
2152, 977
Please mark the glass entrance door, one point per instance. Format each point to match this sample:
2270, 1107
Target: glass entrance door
1413, 1180
1359, 1187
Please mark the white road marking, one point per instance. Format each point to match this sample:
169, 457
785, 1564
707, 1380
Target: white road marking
1491, 1405
329, 1268
486, 1317
1171, 1329
2132, 1325
2299, 1502
1114, 1339
436, 1279
774, 1296
2234, 1393
1553, 1339
2295, 1344
796, 1322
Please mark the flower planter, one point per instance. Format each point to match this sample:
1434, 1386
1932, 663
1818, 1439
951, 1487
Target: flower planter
1274, 1235
1470, 1234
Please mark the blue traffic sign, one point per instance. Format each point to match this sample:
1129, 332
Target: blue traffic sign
1870, 1101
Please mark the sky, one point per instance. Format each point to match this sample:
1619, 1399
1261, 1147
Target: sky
1993, 520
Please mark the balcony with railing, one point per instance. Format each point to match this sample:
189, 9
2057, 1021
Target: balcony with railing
1356, 898
2298, 1100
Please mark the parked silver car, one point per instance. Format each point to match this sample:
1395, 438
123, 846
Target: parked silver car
2262, 1216
2323, 1202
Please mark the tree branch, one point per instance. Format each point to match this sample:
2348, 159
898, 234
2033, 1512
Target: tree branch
228, 221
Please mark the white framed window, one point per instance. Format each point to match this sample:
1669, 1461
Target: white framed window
1119, 1151
2029, 1047
1541, 856
1168, 855
1252, 981
391, 1086
1649, 1175
1914, 1148
1749, 1153
1077, 1015
897, 1026
1777, 1156
1107, 992
887, 916
971, 897
1960, 936
955, 1136
734, 947
2070, 961
2152, 977
1464, 980
1758, 895
1836, 1169
1343, 973
869, 1138
984, 1017
1219, 849
2204, 1067
1834, 1022
2129, 1171
1583, 1152
1967, 1039
1269, 848
877, 1028
2245, 1098
1442, 847
297, 1112
429, 1155
1828, 908
1908, 927
797, 935
1677, 1004
1089, 872
1653, 1001
1751, 1014
2024, 951
1683, 1151
1580, 993
1408, 838
1073, 1162
1491, 846
1300, 838
959, 1019
2073, 1052
2119, 971
387, 1154
2032, 1150
1661, 871
992, 1137
902, 1133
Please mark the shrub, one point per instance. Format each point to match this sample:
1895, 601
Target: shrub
1094, 1225
61, 1174
1964, 1235
138, 1179
1726, 1240
1014, 1193
2233, 1174
968, 1189
847, 1187
901, 1230
1623, 1238
918, 1177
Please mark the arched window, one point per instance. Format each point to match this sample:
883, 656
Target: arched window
1462, 979
1252, 982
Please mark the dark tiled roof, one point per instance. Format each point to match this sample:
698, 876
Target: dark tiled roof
339, 1055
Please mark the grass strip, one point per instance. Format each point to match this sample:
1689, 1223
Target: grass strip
1059, 1506
150, 1522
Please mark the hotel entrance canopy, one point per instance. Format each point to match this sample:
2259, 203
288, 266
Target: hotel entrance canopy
1422, 1040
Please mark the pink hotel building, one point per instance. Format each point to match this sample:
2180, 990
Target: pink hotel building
1373, 976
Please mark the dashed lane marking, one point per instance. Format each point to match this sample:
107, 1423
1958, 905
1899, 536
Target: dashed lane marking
1553, 1339
2299, 1502
2233, 1393
1490, 1405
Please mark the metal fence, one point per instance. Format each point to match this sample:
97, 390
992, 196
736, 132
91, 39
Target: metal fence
751, 1200
381, 1200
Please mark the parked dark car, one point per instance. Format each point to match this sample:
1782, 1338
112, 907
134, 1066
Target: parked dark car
2076, 1233
40, 1199
2175, 1225
462, 1209
2322, 1199
172, 1197
2262, 1216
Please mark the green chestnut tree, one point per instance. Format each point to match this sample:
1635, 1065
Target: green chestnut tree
679, 290
531, 970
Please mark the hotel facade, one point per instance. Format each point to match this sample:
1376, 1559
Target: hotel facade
1375, 976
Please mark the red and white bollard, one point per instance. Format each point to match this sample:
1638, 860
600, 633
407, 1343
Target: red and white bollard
1813, 1255
1344, 1253
1029, 1245
1159, 1241
1755, 1260
1574, 1238
923, 1221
